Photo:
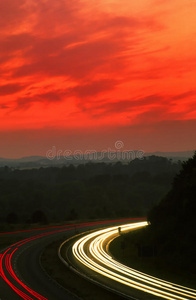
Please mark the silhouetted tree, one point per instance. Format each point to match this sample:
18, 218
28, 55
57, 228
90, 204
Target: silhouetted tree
12, 218
39, 217
173, 220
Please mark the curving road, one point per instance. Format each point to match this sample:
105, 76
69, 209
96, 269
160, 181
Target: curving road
90, 256
21, 275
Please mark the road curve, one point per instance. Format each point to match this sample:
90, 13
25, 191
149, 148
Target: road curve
21, 276
90, 255
19, 260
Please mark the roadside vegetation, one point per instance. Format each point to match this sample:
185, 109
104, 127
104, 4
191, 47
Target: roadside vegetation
167, 247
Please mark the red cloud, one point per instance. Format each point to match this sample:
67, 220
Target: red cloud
48, 97
93, 88
9, 89
119, 106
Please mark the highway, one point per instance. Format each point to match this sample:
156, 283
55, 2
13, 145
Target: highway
22, 276
90, 256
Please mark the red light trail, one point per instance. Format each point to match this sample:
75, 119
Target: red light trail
7, 258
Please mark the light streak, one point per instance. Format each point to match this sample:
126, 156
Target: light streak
90, 250
8, 274
7, 261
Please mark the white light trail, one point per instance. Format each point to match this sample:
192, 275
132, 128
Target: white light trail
90, 251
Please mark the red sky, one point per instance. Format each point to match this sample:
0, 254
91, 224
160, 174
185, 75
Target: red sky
82, 74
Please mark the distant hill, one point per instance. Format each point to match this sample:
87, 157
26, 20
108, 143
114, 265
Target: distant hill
41, 161
182, 155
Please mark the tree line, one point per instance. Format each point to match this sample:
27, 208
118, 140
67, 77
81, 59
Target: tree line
86, 191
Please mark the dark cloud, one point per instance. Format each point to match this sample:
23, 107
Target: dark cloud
48, 97
85, 90
120, 106
75, 62
93, 88
9, 89
130, 23
4, 106
184, 95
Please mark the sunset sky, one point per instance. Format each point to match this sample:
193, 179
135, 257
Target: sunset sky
83, 74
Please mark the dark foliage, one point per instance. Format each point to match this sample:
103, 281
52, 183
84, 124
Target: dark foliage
38, 216
173, 220
12, 218
93, 190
